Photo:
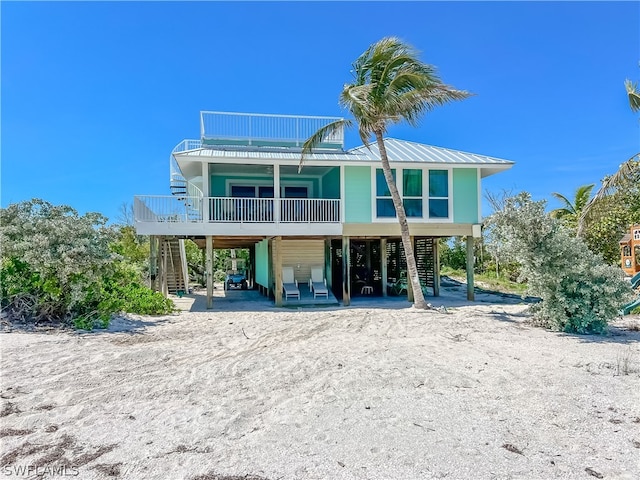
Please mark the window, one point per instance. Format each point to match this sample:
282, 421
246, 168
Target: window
295, 192
636, 234
266, 191
243, 191
384, 203
438, 194
412, 192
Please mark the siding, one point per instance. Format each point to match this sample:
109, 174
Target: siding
465, 195
357, 194
305, 253
262, 263
331, 184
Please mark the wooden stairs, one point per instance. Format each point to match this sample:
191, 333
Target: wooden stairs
174, 266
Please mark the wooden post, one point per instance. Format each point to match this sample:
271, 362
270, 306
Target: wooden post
153, 262
383, 265
470, 291
436, 266
162, 266
409, 285
277, 270
209, 269
346, 272
327, 263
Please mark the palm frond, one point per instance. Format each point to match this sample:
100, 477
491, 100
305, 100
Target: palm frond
628, 174
319, 136
582, 196
633, 94
568, 206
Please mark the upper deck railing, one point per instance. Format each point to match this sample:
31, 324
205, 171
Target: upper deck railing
261, 130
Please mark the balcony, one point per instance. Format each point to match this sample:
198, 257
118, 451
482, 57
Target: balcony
258, 130
156, 214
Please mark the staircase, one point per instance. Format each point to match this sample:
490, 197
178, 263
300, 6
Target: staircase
174, 265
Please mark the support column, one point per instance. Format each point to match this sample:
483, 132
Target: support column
470, 291
409, 284
206, 216
209, 269
383, 265
162, 266
277, 207
277, 270
252, 263
346, 272
153, 262
328, 274
436, 266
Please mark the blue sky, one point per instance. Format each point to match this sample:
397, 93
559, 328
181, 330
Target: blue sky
95, 95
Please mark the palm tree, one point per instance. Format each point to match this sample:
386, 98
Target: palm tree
628, 173
390, 85
571, 211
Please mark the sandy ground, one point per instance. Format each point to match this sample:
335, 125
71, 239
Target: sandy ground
374, 391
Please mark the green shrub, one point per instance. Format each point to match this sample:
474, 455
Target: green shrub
124, 292
60, 266
580, 293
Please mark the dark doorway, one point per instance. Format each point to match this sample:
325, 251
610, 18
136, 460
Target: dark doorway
365, 267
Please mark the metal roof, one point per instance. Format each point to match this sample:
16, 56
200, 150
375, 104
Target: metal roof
400, 151
405, 151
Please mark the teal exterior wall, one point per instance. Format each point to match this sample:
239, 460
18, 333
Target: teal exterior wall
357, 193
218, 183
465, 195
331, 184
262, 263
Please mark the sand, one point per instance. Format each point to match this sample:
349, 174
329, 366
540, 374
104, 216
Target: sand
374, 391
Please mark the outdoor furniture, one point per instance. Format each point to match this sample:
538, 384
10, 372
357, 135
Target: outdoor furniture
317, 283
366, 290
289, 284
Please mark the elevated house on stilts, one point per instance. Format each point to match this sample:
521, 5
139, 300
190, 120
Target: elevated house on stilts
238, 186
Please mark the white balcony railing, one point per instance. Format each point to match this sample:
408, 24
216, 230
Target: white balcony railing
241, 210
236, 210
156, 209
256, 129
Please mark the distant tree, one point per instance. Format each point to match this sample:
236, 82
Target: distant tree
390, 85
126, 216
570, 212
624, 184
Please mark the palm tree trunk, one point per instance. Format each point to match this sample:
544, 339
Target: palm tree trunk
412, 269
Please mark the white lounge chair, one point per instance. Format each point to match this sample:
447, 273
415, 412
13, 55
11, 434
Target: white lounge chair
289, 284
317, 283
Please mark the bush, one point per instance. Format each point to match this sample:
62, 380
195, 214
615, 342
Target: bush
60, 266
580, 293
124, 292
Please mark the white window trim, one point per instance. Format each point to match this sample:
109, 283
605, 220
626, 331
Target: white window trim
374, 197
236, 182
449, 218
425, 195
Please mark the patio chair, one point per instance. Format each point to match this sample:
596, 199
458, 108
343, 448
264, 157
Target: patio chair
317, 283
289, 284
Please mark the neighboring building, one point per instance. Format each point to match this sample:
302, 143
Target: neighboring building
630, 251
238, 186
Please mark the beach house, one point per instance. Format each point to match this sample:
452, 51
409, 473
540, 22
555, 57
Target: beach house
239, 186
